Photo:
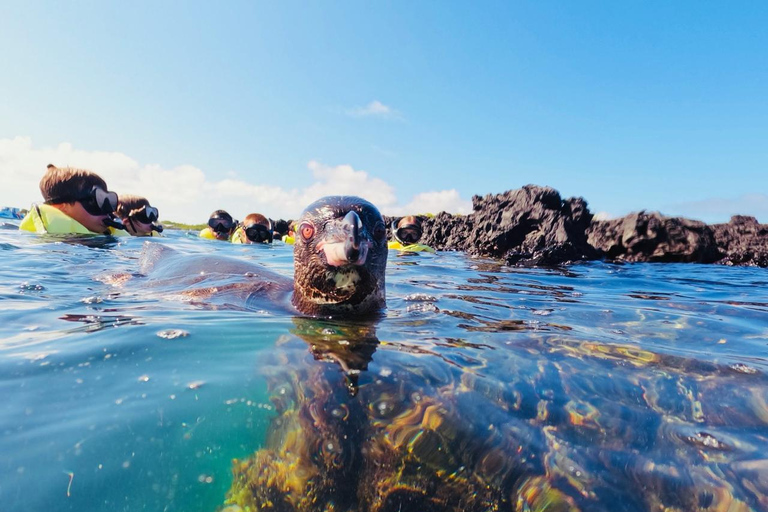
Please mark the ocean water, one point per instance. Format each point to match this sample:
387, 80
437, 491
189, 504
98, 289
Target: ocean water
624, 387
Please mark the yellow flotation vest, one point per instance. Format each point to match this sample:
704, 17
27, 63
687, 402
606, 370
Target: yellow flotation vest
410, 247
238, 237
288, 239
44, 218
208, 234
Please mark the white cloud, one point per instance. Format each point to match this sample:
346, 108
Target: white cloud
375, 109
185, 194
720, 209
603, 216
434, 202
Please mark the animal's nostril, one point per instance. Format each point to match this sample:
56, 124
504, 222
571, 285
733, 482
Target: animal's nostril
352, 253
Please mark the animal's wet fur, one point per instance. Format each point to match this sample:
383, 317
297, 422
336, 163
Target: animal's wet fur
316, 290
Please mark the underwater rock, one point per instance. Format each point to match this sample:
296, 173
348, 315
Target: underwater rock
525, 430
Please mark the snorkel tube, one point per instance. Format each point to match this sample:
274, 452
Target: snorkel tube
114, 222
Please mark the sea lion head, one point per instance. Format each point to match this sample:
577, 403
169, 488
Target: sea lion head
340, 257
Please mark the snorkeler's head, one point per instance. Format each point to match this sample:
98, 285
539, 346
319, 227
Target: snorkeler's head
82, 195
138, 216
257, 229
407, 230
222, 224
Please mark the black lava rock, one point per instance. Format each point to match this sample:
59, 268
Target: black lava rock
535, 226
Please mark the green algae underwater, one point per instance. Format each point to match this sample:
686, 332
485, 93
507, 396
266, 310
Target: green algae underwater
590, 387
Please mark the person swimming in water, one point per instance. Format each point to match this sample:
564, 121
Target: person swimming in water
407, 232
221, 226
77, 201
255, 229
138, 216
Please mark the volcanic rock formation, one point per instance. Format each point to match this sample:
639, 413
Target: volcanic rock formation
535, 226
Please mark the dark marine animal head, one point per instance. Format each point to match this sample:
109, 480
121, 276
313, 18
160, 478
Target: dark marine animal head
340, 257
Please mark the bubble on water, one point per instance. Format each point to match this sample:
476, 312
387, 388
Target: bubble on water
385, 372
420, 297
422, 307
542, 312
743, 368
92, 300
197, 384
30, 287
144, 378
172, 334
707, 440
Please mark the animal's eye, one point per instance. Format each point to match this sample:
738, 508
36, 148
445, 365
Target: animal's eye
379, 231
307, 230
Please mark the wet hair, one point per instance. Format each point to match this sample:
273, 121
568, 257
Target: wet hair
409, 219
128, 203
256, 218
65, 184
221, 214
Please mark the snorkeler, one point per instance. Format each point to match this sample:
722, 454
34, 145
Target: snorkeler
290, 237
221, 225
407, 233
255, 229
76, 201
138, 216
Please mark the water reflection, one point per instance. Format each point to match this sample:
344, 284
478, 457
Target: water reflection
548, 422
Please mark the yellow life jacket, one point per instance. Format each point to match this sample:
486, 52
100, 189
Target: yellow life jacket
207, 233
288, 239
410, 247
44, 218
238, 237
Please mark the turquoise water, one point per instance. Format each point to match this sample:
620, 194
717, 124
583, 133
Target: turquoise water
631, 380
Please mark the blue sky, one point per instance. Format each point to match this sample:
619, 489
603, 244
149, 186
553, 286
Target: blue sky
258, 106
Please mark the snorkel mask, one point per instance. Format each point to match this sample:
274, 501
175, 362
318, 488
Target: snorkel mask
259, 233
407, 234
222, 225
96, 202
146, 215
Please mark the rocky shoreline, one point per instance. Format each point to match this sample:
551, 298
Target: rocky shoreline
533, 225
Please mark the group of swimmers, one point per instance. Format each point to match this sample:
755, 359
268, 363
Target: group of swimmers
77, 201
256, 228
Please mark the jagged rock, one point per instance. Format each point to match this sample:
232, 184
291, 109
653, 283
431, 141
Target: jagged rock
743, 241
531, 225
535, 226
650, 236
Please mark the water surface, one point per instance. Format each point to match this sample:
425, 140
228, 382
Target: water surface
622, 385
